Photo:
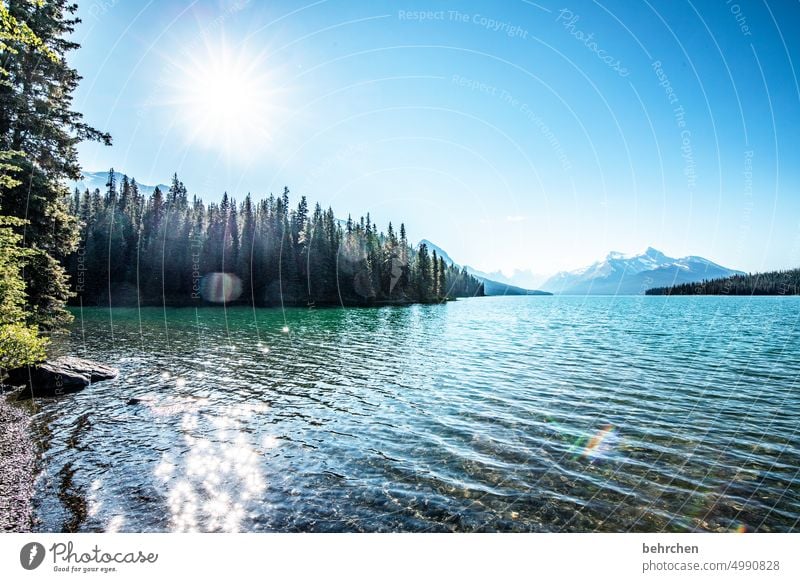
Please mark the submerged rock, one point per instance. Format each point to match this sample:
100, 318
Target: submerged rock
58, 377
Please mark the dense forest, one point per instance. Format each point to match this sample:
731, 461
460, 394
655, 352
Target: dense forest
168, 249
772, 283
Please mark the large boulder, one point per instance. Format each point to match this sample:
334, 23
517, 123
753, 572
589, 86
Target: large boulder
58, 377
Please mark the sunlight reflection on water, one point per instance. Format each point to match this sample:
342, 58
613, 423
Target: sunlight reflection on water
495, 414
210, 484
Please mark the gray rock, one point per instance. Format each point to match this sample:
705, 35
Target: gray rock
58, 377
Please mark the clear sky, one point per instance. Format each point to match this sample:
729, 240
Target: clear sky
515, 135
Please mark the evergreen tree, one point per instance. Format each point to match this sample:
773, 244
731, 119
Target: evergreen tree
422, 275
279, 255
405, 264
245, 266
771, 283
111, 188
124, 194
39, 132
150, 270
435, 287
232, 239
443, 290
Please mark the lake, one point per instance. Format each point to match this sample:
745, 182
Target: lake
486, 414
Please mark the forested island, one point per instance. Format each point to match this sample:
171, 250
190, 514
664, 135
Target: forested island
168, 249
771, 283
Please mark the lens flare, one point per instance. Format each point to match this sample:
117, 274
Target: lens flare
220, 287
600, 443
223, 96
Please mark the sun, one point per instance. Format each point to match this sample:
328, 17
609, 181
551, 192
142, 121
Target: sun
224, 98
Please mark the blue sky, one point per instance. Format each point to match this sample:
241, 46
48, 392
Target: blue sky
516, 135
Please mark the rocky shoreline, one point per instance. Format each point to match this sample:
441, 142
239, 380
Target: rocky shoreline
18, 451
58, 377
18, 455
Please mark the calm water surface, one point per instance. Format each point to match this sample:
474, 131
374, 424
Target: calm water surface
488, 414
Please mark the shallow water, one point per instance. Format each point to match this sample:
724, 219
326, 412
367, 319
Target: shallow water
486, 414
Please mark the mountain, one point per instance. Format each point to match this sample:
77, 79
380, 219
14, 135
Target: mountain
92, 180
439, 251
526, 279
490, 286
620, 274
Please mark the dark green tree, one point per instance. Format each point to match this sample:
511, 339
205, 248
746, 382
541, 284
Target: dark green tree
771, 283
39, 132
156, 251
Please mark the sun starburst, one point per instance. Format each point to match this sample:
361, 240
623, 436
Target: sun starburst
224, 98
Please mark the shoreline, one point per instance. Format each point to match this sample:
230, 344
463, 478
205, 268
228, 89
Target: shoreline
17, 468
288, 304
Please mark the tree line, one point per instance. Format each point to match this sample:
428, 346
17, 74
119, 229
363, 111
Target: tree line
771, 283
170, 249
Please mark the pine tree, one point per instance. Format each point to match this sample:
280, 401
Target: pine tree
174, 245
436, 290
422, 274
151, 246
111, 188
244, 268
405, 264
232, 239
299, 222
443, 290
771, 283
124, 194
39, 132
75, 207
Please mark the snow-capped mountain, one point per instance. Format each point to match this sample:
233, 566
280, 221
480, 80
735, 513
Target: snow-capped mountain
520, 278
92, 180
621, 274
490, 285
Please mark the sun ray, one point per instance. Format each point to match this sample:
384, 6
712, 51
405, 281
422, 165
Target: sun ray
223, 97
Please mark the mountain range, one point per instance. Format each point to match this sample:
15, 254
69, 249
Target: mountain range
491, 286
621, 274
525, 279
92, 180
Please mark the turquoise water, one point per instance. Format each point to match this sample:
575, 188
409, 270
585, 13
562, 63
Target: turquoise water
485, 414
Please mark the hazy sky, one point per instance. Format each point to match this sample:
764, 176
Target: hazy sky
513, 134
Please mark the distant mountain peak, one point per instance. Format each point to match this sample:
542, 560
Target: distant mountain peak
491, 286
649, 252
97, 180
633, 274
654, 253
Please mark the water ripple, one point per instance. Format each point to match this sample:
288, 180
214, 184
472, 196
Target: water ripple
491, 414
